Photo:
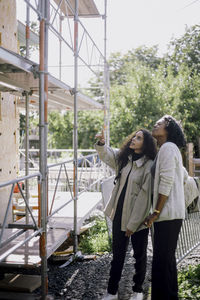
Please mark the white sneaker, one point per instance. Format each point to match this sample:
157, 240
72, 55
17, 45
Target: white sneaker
137, 296
110, 297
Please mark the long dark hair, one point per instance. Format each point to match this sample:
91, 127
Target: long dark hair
149, 148
175, 131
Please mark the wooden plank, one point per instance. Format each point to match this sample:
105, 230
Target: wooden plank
190, 167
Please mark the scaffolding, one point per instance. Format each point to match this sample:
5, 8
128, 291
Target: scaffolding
23, 77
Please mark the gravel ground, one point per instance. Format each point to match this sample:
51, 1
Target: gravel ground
87, 280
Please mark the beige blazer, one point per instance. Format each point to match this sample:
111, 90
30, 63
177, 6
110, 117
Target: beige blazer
137, 201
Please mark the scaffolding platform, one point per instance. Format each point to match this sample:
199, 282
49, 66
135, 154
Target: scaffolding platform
19, 75
58, 229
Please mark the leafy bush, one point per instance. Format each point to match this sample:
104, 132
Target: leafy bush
189, 283
96, 238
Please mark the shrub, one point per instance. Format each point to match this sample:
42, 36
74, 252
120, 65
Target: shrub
189, 283
96, 238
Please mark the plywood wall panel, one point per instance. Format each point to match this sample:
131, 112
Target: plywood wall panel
9, 116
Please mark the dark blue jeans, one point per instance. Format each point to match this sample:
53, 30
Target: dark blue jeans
139, 242
164, 271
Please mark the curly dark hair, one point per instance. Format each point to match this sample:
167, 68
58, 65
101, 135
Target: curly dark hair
149, 147
175, 131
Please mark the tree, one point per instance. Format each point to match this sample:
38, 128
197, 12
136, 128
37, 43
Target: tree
185, 50
138, 103
60, 130
120, 65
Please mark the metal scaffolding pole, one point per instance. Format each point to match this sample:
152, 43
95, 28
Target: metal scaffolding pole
106, 81
75, 187
27, 111
27, 154
60, 47
43, 141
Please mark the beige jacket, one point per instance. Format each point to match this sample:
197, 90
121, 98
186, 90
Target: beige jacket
169, 181
137, 201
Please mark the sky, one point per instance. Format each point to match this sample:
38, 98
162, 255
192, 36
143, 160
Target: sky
130, 24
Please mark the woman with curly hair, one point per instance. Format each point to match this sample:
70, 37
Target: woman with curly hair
129, 204
168, 207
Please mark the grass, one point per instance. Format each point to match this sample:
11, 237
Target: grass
95, 240
189, 282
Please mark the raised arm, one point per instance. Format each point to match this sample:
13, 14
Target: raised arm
106, 153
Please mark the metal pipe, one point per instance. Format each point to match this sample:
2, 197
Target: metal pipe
75, 187
11, 250
43, 139
12, 237
6, 214
59, 208
3, 184
60, 163
27, 29
60, 49
27, 206
27, 109
33, 8
106, 81
39, 204
54, 194
27, 154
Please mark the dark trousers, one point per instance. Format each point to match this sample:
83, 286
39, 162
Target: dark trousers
164, 271
120, 243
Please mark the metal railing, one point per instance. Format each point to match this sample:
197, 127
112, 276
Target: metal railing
189, 237
20, 227
91, 172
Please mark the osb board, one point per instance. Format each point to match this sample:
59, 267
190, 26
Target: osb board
9, 141
8, 113
8, 24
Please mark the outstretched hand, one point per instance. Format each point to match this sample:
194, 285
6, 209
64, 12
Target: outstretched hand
100, 137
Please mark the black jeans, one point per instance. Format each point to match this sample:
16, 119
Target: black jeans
164, 271
120, 243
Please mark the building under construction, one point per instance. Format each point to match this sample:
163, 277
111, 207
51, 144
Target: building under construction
30, 83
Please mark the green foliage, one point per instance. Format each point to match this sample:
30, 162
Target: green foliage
60, 130
143, 88
185, 50
90, 122
121, 66
135, 104
189, 103
189, 283
96, 238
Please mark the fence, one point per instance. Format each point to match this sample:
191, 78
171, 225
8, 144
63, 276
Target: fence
189, 237
91, 172
32, 225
